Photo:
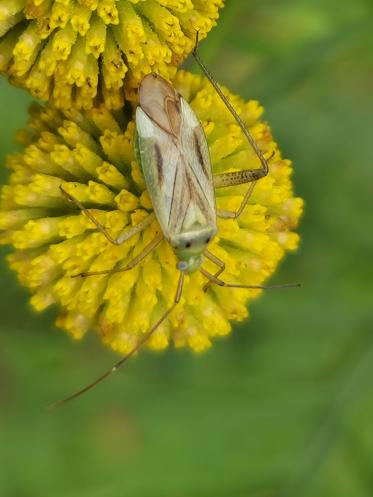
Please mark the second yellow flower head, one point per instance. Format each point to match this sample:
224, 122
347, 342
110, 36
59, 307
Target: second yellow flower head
82, 51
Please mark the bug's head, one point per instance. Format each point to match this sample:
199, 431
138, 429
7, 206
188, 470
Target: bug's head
189, 248
190, 265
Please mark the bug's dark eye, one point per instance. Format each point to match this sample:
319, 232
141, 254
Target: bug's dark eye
208, 240
188, 245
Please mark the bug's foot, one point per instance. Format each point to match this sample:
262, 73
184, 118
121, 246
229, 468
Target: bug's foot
196, 42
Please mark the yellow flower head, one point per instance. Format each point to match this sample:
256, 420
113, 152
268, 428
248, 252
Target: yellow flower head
91, 155
85, 50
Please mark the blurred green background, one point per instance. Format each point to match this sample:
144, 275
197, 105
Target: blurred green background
284, 406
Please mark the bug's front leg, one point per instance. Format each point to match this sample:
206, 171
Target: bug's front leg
125, 235
216, 261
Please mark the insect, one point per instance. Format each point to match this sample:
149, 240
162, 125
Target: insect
172, 151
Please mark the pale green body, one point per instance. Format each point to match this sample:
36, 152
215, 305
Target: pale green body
174, 157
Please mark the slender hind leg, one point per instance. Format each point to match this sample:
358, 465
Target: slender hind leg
234, 180
125, 235
142, 341
261, 172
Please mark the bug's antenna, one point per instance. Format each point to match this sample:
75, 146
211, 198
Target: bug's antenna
118, 364
220, 282
241, 124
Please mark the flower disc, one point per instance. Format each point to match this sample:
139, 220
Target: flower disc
90, 154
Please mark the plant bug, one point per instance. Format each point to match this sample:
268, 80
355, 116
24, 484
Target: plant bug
172, 151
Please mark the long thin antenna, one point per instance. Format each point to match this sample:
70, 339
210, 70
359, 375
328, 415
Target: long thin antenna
220, 282
241, 124
118, 364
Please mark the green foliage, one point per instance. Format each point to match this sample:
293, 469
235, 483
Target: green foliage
281, 408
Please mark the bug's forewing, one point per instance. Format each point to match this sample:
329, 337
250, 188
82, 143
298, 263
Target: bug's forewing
177, 173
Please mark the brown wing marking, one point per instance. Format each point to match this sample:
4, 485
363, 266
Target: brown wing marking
198, 150
172, 108
159, 161
201, 188
179, 201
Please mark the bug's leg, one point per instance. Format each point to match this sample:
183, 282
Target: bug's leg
263, 171
216, 261
136, 260
222, 180
216, 281
128, 233
143, 340
225, 214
